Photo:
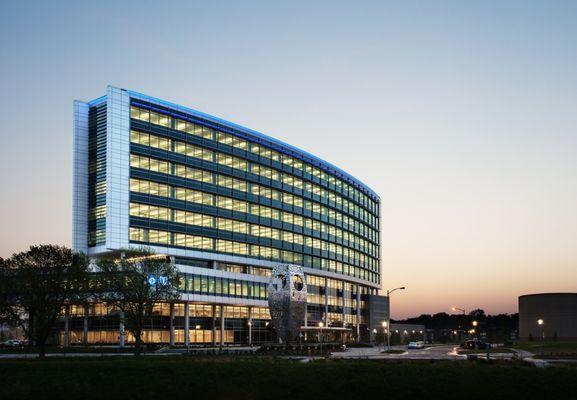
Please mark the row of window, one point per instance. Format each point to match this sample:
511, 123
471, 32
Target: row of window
155, 165
163, 309
202, 220
239, 143
216, 286
159, 237
201, 153
195, 196
198, 197
227, 203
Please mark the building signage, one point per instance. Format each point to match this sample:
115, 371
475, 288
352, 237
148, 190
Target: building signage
153, 280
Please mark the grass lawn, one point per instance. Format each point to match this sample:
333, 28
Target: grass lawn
230, 378
499, 350
67, 350
550, 348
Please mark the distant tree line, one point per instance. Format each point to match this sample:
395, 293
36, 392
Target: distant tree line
443, 326
36, 285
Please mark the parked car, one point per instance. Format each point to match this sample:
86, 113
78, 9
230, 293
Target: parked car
416, 345
11, 343
475, 344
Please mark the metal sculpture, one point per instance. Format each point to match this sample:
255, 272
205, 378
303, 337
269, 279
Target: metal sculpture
287, 300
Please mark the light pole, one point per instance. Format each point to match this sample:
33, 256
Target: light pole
385, 330
464, 313
321, 335
250, 333
389, 316
475, 323
540, 322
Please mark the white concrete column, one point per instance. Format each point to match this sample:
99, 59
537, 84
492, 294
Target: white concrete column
186, 324
85, 327
214, 325
122, 331
171, 327
222, 325
66, 325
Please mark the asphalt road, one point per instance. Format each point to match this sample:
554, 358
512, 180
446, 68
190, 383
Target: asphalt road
429, 353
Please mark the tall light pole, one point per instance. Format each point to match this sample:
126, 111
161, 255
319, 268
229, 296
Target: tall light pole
385, 330
389, 316
464, 313
321, 335
540, 322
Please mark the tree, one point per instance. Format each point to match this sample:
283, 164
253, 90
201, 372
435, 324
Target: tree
477, 314
134, 284
36, 284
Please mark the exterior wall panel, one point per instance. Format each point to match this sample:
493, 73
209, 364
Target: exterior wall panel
80, 178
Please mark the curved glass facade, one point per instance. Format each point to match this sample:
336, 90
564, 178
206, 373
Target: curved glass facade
226, 203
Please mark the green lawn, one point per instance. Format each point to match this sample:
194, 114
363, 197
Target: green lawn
555, 348
229, 378
498, 350
66, 350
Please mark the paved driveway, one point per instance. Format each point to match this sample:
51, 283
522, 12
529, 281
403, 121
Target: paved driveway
429, 353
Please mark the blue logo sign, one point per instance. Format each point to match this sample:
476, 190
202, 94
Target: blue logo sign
151, 279
163, 280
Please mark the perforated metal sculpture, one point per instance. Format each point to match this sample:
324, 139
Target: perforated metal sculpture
287, 300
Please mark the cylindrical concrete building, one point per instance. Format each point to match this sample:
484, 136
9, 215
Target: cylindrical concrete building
557, 312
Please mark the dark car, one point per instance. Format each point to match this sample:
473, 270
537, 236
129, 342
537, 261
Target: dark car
475, 345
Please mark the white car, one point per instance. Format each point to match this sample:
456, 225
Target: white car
12, 343
416, 345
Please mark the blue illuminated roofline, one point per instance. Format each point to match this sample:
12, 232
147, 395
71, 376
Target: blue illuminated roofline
97, 102
294, 151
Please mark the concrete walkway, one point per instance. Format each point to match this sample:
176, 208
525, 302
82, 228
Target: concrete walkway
429, 353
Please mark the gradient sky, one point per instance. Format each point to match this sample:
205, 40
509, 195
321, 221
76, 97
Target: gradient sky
462, 115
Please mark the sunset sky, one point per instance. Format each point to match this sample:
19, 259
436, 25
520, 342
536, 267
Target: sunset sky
461, 115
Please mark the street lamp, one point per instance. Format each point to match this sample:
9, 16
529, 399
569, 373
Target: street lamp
321, 335
250, 333
385, 330
458, 309
389, 315
463, 322
540, 322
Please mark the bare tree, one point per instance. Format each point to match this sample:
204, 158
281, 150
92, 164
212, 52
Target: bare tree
134, 284
36, 284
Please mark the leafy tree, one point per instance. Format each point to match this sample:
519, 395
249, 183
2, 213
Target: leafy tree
36, 284
124, 284
477, 314
496, 327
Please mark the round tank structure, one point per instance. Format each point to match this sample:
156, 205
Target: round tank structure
552, 316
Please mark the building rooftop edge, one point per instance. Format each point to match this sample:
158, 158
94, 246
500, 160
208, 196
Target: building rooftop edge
241, 128
549, 294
